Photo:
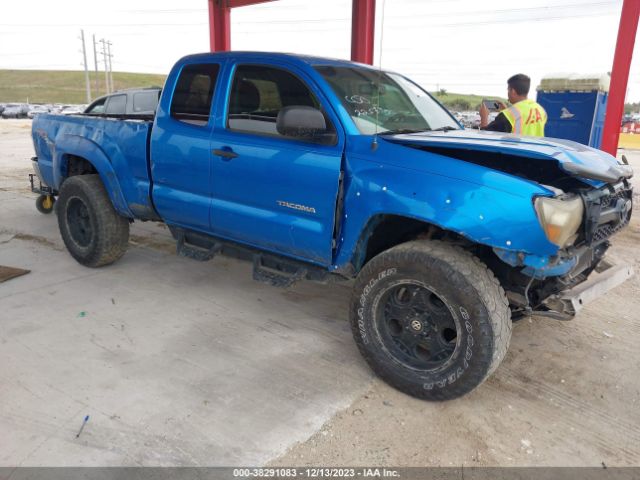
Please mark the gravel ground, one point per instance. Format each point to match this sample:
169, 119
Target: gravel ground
567, 394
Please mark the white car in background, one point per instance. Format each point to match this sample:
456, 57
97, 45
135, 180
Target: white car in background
15, 110
37, 109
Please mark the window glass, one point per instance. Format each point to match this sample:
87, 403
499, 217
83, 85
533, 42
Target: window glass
381, 102
192, 97
146, 101
116, 105
259, 93
97, 106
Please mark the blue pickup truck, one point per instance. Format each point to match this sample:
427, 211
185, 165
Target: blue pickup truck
324, 169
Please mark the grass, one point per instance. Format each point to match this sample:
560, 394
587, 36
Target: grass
59, 86
63, 86
463, 101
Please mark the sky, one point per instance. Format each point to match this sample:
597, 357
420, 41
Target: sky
463, 46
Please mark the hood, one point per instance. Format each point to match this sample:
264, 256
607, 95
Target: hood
572, 157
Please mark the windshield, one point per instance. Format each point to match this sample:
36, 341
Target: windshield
381, 102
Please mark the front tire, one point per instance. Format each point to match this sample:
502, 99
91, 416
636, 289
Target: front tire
430, 319
92, 230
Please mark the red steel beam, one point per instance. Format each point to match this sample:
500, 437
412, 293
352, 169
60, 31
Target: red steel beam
620, 75
219, 26
220, 22
363, 20
244, 3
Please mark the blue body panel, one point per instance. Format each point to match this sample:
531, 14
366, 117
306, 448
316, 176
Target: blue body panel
181, 163
268, 170
116, 148
281, 195
485, 206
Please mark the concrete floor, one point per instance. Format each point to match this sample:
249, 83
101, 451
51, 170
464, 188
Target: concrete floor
185, 363
175, 361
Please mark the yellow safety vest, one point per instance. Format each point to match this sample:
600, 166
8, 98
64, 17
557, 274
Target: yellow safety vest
526, 118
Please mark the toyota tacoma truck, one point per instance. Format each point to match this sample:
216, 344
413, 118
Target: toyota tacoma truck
324, 169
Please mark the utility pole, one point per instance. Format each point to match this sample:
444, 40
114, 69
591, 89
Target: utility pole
106, 66
110, 69
86, 67
95, 61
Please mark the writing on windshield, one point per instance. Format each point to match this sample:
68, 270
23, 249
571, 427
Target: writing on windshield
380, 102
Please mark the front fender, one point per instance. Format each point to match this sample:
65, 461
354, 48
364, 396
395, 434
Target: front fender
485, 206
71, 144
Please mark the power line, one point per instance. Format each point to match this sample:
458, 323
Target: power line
298, 21
95, 61
107, 60
86, 67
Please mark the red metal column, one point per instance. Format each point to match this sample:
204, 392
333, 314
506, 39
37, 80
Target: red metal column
363, 21
219, 26
620, 74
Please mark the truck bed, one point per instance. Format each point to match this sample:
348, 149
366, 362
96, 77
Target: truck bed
120, 145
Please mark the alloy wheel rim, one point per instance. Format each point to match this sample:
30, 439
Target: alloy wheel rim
416, 326
79, 222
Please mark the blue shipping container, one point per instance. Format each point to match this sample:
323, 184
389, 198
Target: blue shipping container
577, 116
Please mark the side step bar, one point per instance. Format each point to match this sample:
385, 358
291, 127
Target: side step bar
184, 249
272, 269
284, 277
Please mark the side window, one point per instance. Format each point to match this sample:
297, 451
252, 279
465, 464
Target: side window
96, 107
192, 96
116, 105
259, 93
145, 102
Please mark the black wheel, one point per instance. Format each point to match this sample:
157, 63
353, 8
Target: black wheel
44, 203
93, 232
430, 319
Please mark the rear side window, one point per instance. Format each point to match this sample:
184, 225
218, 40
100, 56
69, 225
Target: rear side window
192, 97
145, 101
116, 105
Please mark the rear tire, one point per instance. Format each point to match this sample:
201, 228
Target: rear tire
93, 232
430, 319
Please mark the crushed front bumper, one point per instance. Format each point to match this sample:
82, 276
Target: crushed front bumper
565, 305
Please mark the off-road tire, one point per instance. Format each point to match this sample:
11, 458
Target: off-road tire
40, 204
109, 232
469, 290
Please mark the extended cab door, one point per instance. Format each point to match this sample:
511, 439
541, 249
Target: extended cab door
180, 141
269, 190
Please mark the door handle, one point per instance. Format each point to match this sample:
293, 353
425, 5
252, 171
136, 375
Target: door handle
225, 152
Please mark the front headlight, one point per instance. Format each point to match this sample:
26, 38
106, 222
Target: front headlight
560, 219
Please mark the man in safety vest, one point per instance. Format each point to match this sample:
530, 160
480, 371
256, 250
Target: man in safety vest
523, 117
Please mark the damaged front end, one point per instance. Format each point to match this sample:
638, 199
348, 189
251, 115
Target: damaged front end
561, 285
586, 199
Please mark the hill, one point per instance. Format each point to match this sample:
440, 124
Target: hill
462, 101
60, 86
63, 86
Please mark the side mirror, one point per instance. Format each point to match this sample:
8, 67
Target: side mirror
300, 121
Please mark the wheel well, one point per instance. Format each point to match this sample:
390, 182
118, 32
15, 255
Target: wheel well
385, 231
78, 166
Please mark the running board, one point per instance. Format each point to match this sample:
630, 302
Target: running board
282, 274
195, 252
269, 268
